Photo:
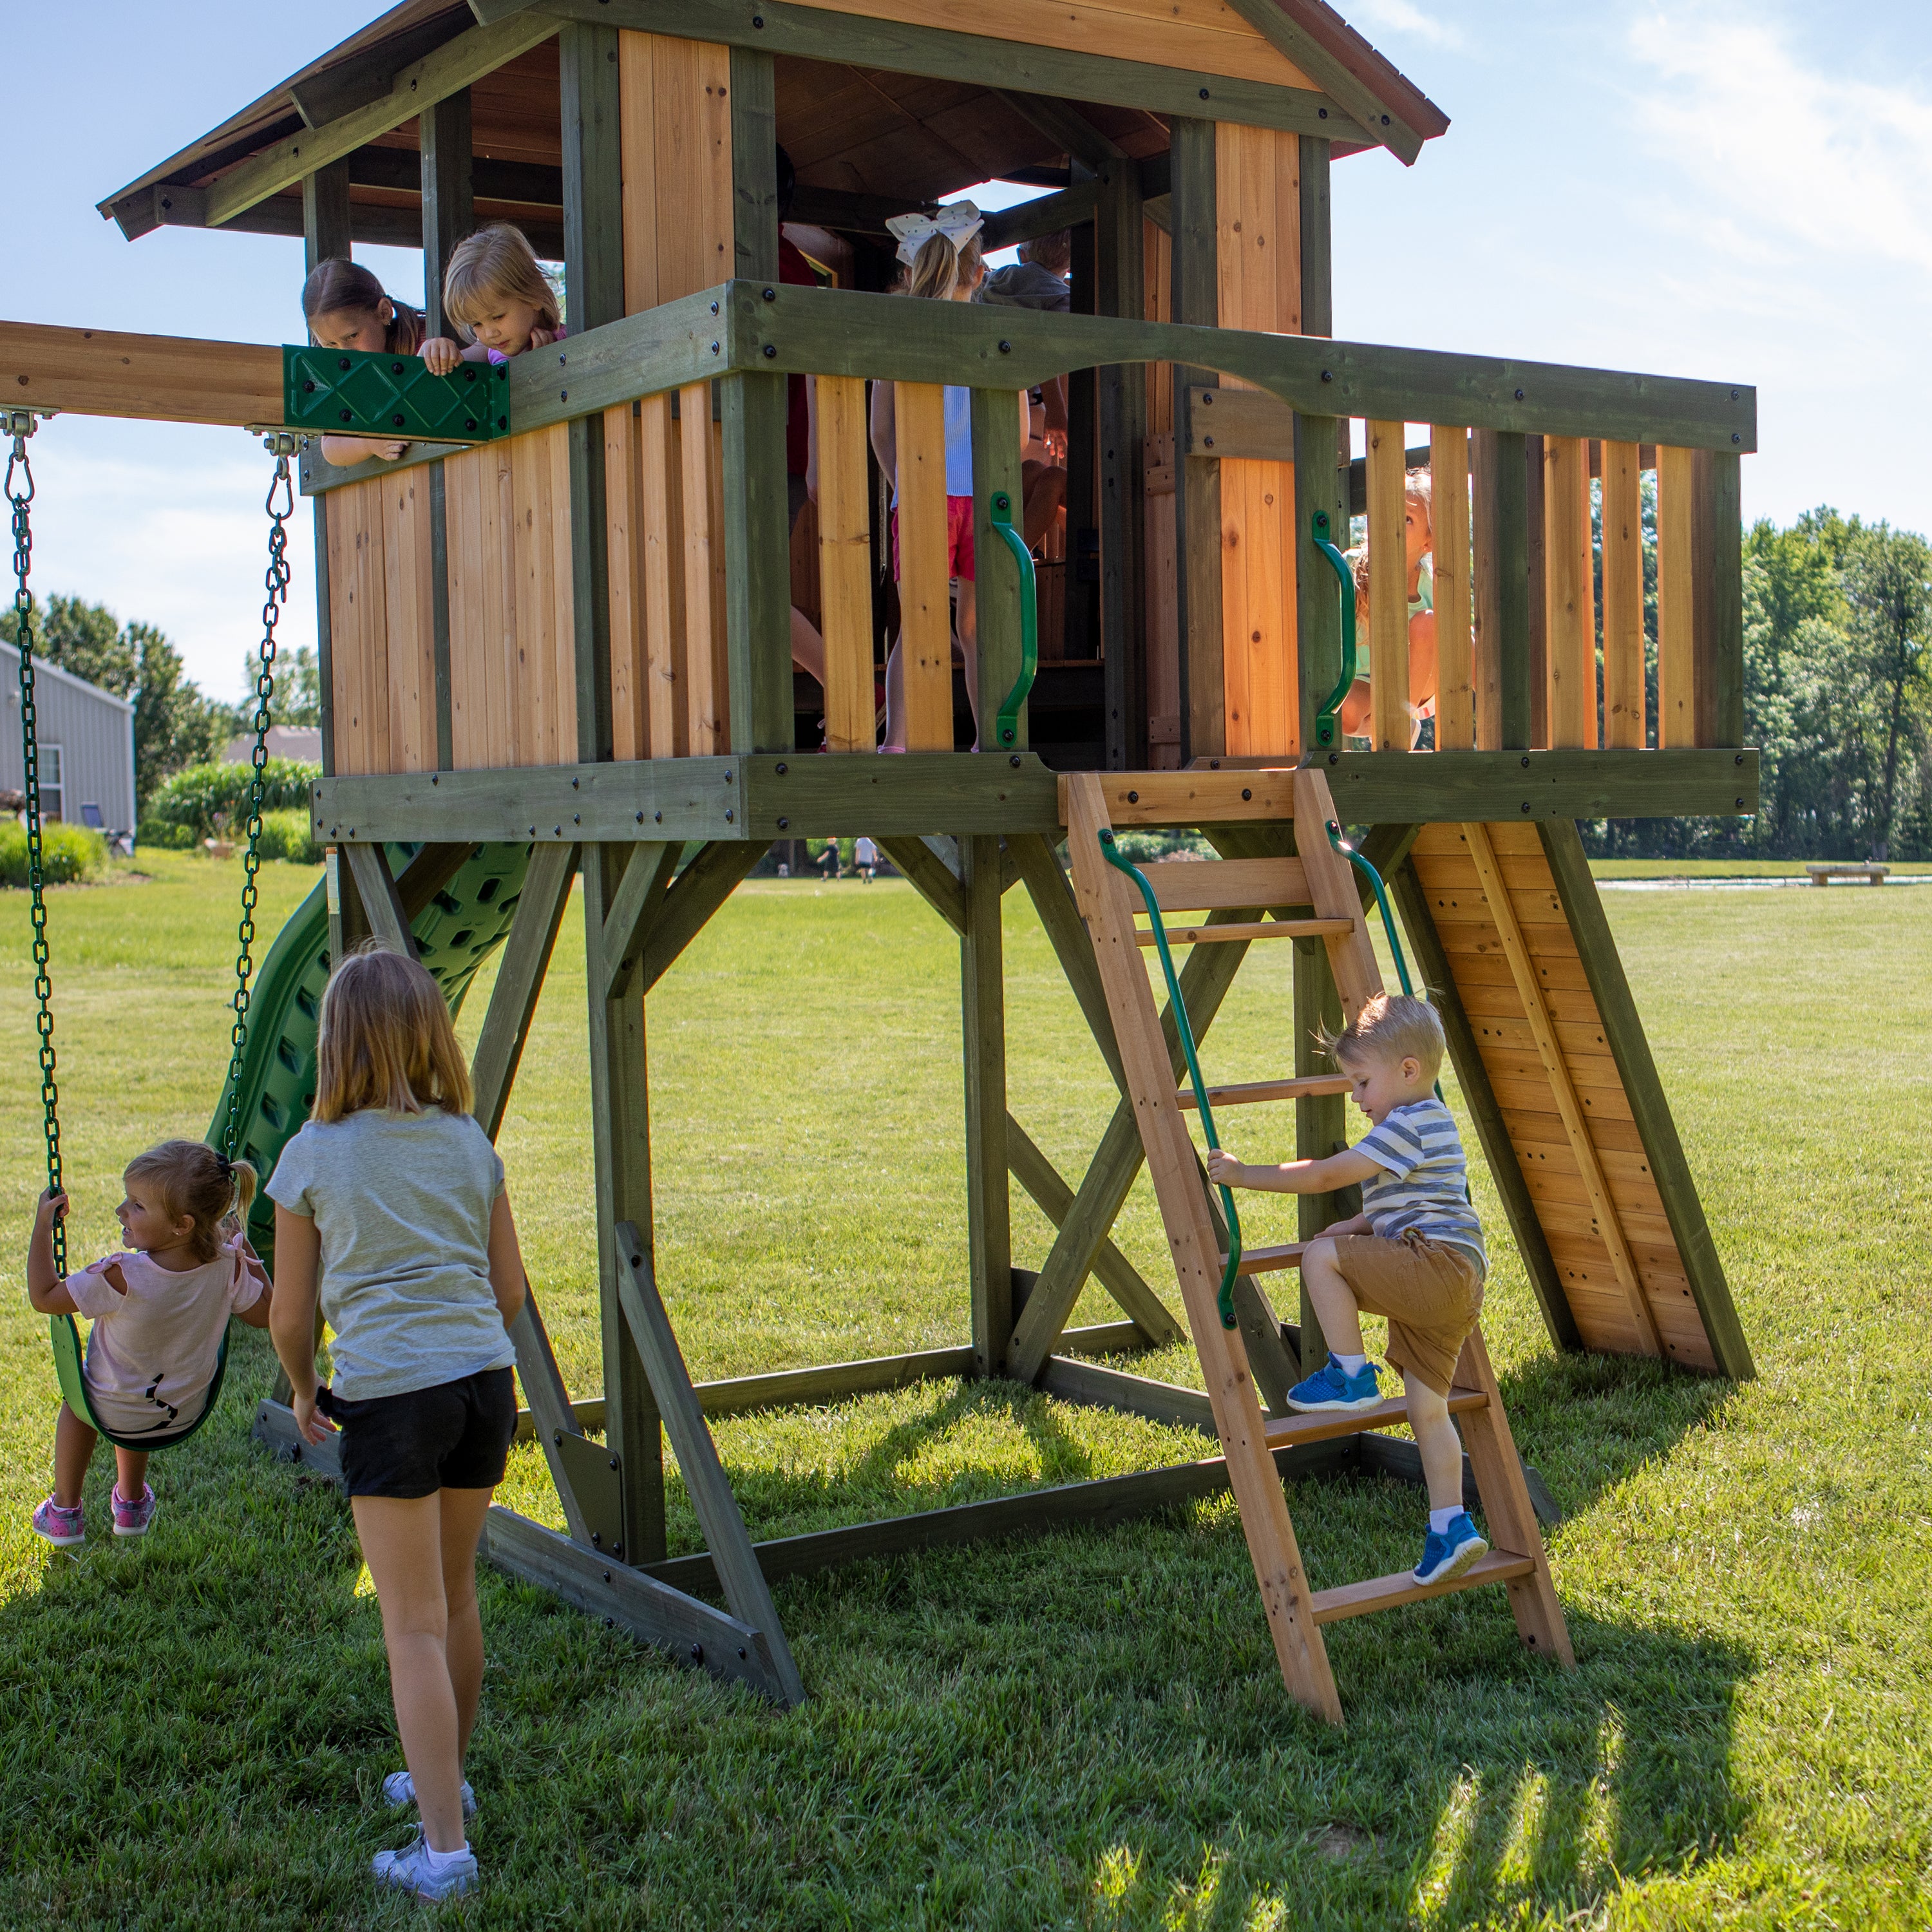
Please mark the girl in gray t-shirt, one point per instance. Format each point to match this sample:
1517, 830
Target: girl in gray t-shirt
390, 1209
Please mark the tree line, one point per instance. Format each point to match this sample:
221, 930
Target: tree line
176, 723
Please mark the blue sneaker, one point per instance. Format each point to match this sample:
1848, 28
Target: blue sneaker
1329, 1392
409, 1871
1451, 1552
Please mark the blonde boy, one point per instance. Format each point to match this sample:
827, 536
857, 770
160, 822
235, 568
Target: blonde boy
1414, 1254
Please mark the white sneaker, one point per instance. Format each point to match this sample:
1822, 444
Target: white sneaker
410, 1870
399, 1789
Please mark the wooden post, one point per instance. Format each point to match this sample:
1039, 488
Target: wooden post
1319, 483
1083, 631
448, 215
1318, 295
1455, 675
982, 981
996, 467
754, 165
1197, 479
1388, 589
325, 235
593, 246
1716, 548
1536, 548
1321, 1121
1502, 585
919, 415
1119, 230
620, 1134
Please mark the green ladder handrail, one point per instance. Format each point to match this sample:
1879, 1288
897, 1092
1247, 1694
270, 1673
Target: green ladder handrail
1326, 725
1111, 853
1006, 724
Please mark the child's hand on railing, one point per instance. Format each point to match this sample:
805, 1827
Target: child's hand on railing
1224, 1170
442, 354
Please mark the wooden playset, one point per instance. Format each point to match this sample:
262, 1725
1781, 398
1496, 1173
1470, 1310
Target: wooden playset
555, 641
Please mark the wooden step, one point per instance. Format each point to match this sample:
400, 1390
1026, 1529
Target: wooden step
1268, 1260
1245, 1094
1267, 928
1288, 1432
1385, 1593
1225, 885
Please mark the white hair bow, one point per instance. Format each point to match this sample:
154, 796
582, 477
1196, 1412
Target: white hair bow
959, 221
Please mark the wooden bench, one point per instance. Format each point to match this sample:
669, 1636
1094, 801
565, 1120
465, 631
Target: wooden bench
1868, 868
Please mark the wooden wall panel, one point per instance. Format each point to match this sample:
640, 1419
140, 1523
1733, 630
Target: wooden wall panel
1455, 610
669, 689
382, 624
1624, 727
409, 620
1676, 600
1569, 597
1487, 989
1257, 214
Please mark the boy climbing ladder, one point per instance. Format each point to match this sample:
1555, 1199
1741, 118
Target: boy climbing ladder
1319, 878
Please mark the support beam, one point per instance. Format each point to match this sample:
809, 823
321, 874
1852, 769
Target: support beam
519, 978
634, 909
1053, 899
729, 1544
449, 209
988, 1216
703, 886
931, 876
550, 1412
376, 889
1121, 387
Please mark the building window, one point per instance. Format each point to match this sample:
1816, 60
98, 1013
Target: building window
52, 800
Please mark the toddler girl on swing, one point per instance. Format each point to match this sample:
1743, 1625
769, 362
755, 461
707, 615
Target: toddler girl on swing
159, 1308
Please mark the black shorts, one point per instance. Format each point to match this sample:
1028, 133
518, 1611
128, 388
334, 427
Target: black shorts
455, 1435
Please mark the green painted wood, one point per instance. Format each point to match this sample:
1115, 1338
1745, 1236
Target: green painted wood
754, 171
1275, 1370
651, 1611
996, 467
1318, 278
1049, 215
1318, 592
1151, 1321
1095, 1505
1059, 918
1243, 423
315, 477
1537, 547
635, 907
989, 1241
1583, 909
376, 887
817, 34
432, 868
519, 978
449, 208
1119, 232
1433, 968
956, 794
931, 876
1204, 981
702, 887
325, 233
620, 1136
833, 1381
729, 1543
1094, 1386
553, 1420
1371, 787
1321, 1121
758, 551
1721, 639
1503, 583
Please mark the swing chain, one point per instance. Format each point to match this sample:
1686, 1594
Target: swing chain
280, 504
19, 424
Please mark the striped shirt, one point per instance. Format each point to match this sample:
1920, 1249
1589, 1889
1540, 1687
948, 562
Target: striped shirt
1423, 1185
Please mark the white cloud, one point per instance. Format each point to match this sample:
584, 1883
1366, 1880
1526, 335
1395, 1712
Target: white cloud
1402, 17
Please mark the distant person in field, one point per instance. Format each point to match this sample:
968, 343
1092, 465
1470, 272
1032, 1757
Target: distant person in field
159, 1308
496, 292
1418, 536
346, 307
864, 859
1414, 1254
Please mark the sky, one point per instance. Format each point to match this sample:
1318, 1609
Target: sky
1741, 192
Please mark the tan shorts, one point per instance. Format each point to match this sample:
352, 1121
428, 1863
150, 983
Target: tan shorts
1431, 1292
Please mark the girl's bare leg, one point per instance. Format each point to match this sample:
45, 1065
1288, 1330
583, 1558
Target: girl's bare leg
421, 1554
896, 717
130, 1473
968, 609
74, 1450
1333, 1300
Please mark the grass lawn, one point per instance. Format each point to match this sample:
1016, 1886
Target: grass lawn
1086, 1730
1717, 868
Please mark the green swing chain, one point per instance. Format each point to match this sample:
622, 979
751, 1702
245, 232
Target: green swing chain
19, 424
280, 504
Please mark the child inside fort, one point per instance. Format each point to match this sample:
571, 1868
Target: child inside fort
390, 1208
943, 263
159, 1308
1414, 1254
347, 307
496, 292
1419, 539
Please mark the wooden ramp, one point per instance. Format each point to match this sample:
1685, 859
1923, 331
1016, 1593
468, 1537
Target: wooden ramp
1510, 934
1236, 894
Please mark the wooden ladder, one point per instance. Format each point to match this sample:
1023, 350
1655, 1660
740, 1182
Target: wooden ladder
1320, 879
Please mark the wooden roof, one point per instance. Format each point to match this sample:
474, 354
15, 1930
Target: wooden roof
850, 128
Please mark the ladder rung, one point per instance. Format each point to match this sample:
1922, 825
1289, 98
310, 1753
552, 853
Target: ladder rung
1267, 928
1285, 1432
1244, 1093
1225, 885
1268, 1260
1384, 1593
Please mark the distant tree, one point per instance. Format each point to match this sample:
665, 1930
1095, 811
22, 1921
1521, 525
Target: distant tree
1887, 584
297, 698
175, 723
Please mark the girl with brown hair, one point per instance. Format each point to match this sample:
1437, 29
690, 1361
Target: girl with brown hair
346, 307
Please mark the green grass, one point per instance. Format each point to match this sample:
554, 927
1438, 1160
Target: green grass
1086, 1730
1713, 868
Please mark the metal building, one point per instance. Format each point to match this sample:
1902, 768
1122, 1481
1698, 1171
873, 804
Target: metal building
87, 745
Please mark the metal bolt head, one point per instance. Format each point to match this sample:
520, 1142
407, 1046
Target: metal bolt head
614, 1463
698, 1653
771, 351
784, 824
771, 294
1005, 349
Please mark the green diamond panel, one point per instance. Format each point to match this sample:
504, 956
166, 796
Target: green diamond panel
351, 392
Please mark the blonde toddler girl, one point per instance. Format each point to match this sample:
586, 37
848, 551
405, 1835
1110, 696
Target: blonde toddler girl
496, 292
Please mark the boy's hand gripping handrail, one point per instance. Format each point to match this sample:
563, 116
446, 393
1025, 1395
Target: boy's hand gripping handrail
1111, 852
1006, 724
1326, 727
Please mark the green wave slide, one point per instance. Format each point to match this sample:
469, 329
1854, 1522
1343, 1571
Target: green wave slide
455, 933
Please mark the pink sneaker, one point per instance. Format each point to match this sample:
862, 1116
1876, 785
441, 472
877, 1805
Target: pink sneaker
133, 1518
61, 1527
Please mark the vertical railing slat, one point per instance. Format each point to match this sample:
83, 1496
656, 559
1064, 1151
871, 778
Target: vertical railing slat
1623, 597
704, 710
1455, 666
661, 541
1388, 590
1569, 602
844, 564
1676, 595
925, 595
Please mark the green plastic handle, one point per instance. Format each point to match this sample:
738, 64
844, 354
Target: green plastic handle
1111, 853
1006, 724
1327, 728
